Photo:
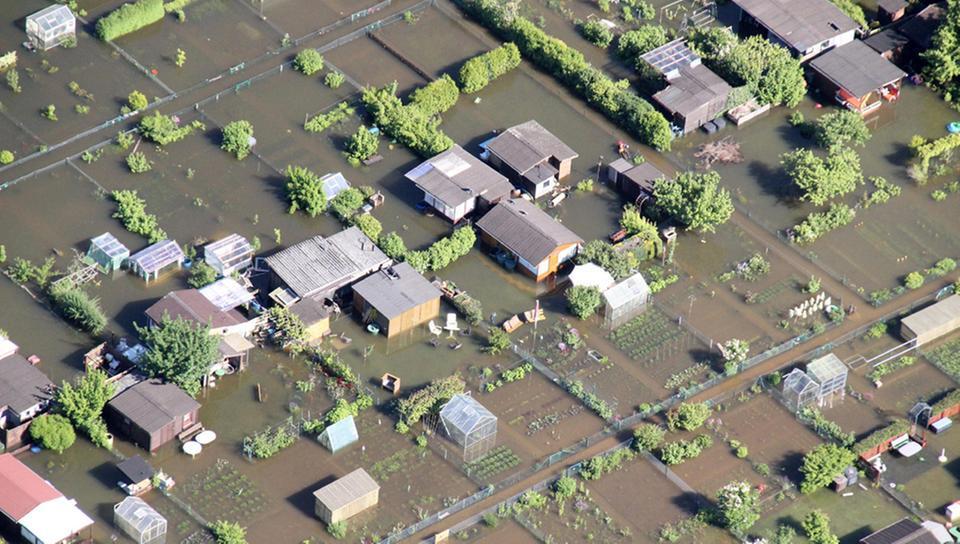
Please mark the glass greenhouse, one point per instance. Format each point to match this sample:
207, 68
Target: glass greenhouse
470, 425
830, 372
799, 390
140, 521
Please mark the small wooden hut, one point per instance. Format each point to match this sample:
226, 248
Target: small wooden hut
346, 496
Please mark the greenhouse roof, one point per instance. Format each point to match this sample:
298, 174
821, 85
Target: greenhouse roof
465, 414
230, 250
226, 294
333, 184
339, 435
53, 16
109, 245
626, 291
138, 513
155, 257
826, 368
798, 381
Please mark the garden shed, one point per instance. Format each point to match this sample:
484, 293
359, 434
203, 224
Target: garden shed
624, 301
339, 435
346, 497
150, 261
397, 298
51, 26
137, 475
107, 252
932, 322
140, 521
470, 425
799, 390
228, 255
830, 374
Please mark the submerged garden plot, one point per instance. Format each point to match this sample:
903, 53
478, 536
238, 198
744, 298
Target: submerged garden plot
301, 17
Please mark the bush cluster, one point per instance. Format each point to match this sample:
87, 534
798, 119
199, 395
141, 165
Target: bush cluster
479, 71
408, 124
129, 18
132, 212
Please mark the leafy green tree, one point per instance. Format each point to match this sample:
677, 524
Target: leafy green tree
633, 43
291, 332
308, 61
435, 97
498, 341
772, 73
363, 144
137, 100
711, 42
228, 532
13, 80
346, 203
236, 138
852, 10
817, 528
79, 308
913, 280
823, 179
6, 157
596, 33
179, 351
305, 191
479, 71
822, 465
53, 432
163, 129
688, 416
138, 163
132, 212
840, 128
201, 275
334, 79
735, 350
695, 199
739, 506
369, 225
393, 246
583, 300
82, 403
647, 437
941, 63
564, 488
784, 535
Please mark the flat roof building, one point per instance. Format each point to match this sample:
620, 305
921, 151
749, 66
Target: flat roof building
932, 322
634, 181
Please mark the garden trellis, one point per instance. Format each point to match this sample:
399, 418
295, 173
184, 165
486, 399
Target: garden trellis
470, 425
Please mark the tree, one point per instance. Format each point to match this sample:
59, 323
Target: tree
181, 58
913, 280
179, 351
822, 465
78, 307
393, 246
346, 203
634, 43
695, 199
688, 416
711, 42
291, 332
735, 350
823, 179
739, 506
817, 528
237, 137
784, 535
308, 61
853, 10
201, 275
498, 341
6, 157
583, 300
363, 144
228, 532
647, 437
771, 72
305, 191
596, 33
837, 129
53, 432
369, 225
137, 100
13, 80
941, 62
479, 71
82, 401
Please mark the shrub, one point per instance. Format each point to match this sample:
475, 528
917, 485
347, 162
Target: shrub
796, 119
913, 280
163, 130
337, 530
688, 416
444, 251
823, 179
479, 71
137, 100
305, 191
498, 341
420, 402
132, 212
739, 506
647, 437
53, 432
393, 246
695, 199
13, 80
237, 137
819, 223
129, 18
633, 43
840, 128
409, 125
816, 525
369, 225
564, 488
596, 33
79, 308
228, 532
308, 62
363, 144
346, 203
323, 121
6, 157
138, 162
201, 275
334, 79
583, 300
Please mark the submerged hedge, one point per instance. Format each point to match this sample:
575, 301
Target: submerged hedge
567, 65
129, 18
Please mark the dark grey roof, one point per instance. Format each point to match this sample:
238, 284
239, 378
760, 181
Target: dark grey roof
456, 176
905, 531
395, 290
191, 305
525, 145
857, 68
309, 310
22, 385
892, 6
526, 230
799, 23
319, 263
921, 28
696, 87
887, 40
152, 404
135, 469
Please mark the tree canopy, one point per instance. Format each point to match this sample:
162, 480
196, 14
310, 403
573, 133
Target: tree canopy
179, 351
688, 416
739, 506
836, 129
769, 70
816, 525
583, 300
53, 432
941, 62
633, 43
363, 144
236, 138
822, 465
822, 179
479, 71
308, 61
305, 191
228, 532
695, 199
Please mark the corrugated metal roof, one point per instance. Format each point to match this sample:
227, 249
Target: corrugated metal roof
23, 488
455, 176
799, 23
464, 413
346, 490
857, 68
395, 290
318, 264
526, 230
152, 404
525, 145
695, 87
22, 385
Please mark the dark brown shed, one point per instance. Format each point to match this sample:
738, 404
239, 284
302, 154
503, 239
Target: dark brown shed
152, 413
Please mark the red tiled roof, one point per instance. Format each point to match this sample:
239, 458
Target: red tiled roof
23, 489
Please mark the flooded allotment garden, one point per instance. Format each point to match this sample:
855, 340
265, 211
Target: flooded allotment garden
560, 385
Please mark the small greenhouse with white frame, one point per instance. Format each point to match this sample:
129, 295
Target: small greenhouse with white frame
140, 521
470, 425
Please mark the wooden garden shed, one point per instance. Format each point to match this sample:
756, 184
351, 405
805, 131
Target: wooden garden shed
346, 496
932, 322
397, 298
152, 413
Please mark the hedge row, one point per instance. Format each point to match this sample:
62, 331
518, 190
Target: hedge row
408, 124
479, 71
129, 18
874, 439
569, 66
